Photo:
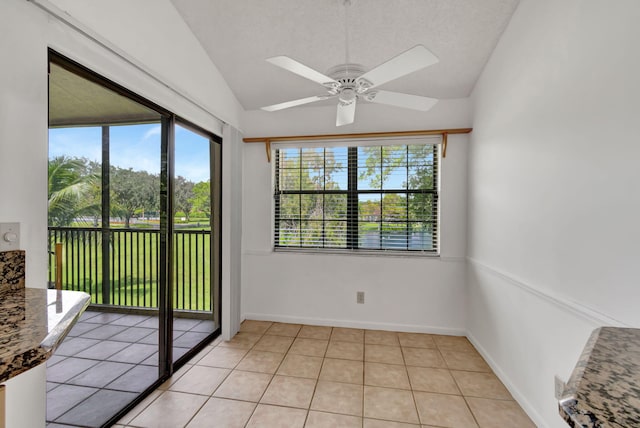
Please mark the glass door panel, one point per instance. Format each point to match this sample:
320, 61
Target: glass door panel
134, 238
134, 199
104, 187
195, 238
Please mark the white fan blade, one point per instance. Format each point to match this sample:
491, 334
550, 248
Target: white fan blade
302, 70
414, 102
414, 59
294, 103
346, 113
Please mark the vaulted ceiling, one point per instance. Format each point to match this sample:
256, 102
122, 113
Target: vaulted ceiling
239, 35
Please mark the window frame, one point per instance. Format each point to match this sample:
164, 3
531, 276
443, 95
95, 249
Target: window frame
353, 193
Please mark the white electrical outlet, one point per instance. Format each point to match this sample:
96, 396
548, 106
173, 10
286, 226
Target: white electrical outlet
360, 297
9, 236
560, 386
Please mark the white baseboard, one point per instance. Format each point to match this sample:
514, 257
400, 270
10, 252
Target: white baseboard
370, 325
565, 304
522, 400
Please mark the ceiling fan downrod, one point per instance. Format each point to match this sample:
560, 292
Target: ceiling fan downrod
348, 82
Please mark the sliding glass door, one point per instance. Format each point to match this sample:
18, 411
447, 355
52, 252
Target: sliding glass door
134, 197
196, 233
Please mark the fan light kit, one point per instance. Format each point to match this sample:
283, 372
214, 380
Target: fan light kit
349, 82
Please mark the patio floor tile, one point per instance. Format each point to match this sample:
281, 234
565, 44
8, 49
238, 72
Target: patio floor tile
104, 317
101, 374
178, 353
104, 332
64, 397
184, 324
106, 354
55, 359
137, 379
189, 339
102, 350
152, 322
96, 410
81, 328
204, 327
86, 315
65, 370
133, 334
130, 320
74, 345
134, 353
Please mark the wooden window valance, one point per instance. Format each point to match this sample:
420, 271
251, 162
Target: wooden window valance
444, 132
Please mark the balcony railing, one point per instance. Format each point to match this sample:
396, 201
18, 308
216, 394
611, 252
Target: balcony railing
133, 266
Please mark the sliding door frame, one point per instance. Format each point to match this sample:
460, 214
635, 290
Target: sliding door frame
168, 121
165, 280
215, 177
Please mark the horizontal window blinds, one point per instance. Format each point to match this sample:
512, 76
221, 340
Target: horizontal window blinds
371, 197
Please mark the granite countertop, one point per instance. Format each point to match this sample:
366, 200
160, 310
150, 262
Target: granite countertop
604, 388
33, 323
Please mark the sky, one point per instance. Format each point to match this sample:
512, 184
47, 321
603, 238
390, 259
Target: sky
134, 146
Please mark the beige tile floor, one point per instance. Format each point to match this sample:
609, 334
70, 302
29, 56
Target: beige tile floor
286, 375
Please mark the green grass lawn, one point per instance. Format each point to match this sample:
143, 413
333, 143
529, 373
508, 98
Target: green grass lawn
134, 267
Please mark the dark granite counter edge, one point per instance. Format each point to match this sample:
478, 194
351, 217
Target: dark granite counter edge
568, 405
36, 356
23, 362
578, 372
602, 387
568, 409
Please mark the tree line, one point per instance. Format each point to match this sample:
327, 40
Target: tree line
314, 217
75, 191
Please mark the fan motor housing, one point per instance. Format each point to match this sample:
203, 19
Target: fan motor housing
346, 75
346, 72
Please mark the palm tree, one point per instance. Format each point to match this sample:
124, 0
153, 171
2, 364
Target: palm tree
71, 186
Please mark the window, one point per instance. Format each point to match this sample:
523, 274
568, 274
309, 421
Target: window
363, 197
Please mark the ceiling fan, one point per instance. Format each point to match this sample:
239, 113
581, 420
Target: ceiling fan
349, 82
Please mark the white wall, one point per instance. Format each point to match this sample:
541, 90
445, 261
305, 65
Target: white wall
23, 131
401, 293
553, 200
231, 231
153, 36
25, 34
454, 113
23, 172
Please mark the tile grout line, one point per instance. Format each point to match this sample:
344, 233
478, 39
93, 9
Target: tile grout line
322, 364
315, 388
465, 399
197, 411
270, 380
413, 396
73, 407
98, 341
141, 410
364, 370
317, 380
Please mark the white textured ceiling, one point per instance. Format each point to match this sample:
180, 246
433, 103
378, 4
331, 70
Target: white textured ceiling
239, 35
